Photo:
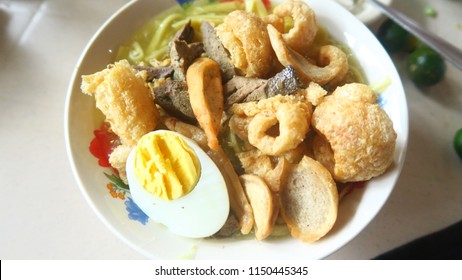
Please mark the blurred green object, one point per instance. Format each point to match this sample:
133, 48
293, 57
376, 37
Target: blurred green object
458, 142
425, 67
393, 37
430, 12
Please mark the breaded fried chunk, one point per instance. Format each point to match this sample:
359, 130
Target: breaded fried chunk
356, 137
118, 160
245, 37
254, 162
121, 94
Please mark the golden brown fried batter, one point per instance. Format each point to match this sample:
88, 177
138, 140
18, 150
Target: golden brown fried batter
206, 97
121, 94
291, 114
358, 139
118, 160
305, 26
254, 162
244, 35
296, 154
333, 63
314, 93
239, 125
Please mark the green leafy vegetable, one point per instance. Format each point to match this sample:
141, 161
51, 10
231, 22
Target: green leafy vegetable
381, 85
117, 182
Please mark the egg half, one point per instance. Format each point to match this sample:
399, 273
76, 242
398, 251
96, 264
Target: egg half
201, 212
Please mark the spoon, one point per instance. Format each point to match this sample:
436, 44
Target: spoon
447, 50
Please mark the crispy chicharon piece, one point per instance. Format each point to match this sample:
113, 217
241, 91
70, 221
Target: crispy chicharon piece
256, 163
314, 93
305, 26
292, 115
245, 37
121, 94
118, 160
356, 139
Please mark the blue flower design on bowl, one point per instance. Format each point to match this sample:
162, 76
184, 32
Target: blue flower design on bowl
134, 212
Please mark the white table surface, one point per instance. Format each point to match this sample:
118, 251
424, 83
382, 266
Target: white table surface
42, 212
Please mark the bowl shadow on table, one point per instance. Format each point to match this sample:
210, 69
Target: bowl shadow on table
348, 207
446, 92
415, 200
4, 21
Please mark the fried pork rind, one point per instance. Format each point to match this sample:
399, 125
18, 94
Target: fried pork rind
275, 21
245, 37
314, 93
357, 139
118, 159
254, 162
302, 34
292, 115
296, 154
121, 94
239, 125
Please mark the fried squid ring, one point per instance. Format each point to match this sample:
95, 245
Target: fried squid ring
333, 61
293, 118
302, 34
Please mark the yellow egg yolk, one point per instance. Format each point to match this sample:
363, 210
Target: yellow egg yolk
166, 166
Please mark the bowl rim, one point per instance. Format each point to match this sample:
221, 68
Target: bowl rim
72, 84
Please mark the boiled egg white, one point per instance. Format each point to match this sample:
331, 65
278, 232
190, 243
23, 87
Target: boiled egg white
199, 213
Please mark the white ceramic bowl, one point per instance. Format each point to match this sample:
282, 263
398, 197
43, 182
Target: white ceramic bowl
154, 241
364, 11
